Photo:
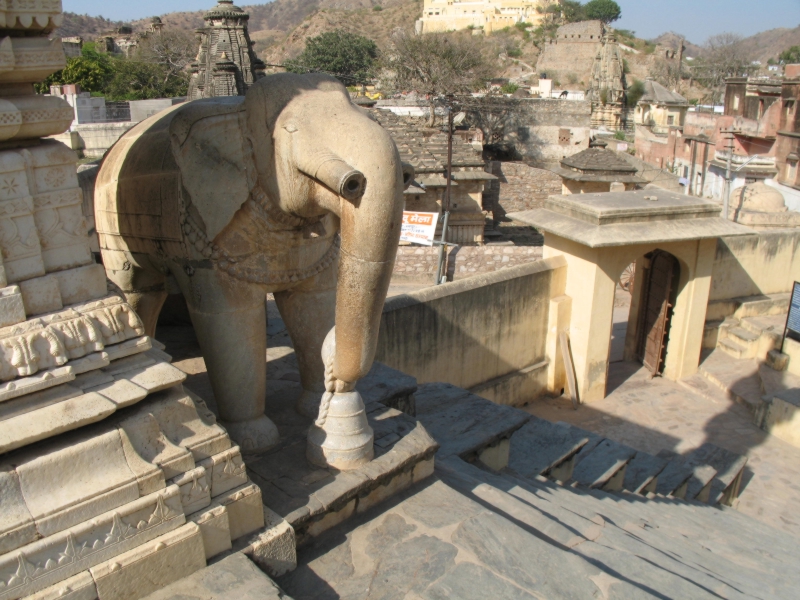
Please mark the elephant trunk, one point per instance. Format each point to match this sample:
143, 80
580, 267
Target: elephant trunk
334, 173
370, 232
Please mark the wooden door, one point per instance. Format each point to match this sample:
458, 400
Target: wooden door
657, 310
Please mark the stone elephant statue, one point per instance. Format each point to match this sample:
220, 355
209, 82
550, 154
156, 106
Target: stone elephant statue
290, 189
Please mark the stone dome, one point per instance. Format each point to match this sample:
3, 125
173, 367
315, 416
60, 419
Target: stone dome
759, 197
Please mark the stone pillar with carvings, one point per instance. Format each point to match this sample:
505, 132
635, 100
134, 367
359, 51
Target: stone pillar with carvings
85, 511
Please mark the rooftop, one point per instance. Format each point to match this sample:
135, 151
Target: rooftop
655, 93
598, 164
625, 218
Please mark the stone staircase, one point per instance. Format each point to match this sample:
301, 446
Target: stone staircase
523, 508
512, 441
751, 337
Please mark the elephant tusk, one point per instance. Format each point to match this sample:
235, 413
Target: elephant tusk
336, 174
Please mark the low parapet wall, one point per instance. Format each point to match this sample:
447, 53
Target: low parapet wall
487, 333
764, 263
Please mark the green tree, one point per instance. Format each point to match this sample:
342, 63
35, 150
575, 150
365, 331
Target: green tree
140, 80
347, 56
572, 11
606, 11
91, 70
634, 92
790, 56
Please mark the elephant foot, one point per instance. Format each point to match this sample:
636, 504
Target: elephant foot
308, 404
253, 436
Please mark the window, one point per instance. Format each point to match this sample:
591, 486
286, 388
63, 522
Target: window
564, 137
671, 120
791, 171
736, 102
749, 180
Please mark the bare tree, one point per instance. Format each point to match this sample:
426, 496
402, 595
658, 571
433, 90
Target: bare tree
173, 49
435, 64
724, 56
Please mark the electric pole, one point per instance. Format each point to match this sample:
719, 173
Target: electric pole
440, 275
726, 196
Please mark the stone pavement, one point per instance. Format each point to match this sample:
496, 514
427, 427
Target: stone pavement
658, 414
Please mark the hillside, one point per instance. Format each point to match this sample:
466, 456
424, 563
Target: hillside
769, 44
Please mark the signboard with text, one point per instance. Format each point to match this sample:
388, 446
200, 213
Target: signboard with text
793, 318
418, 227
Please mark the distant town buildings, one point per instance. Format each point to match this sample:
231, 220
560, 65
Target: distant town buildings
487, 15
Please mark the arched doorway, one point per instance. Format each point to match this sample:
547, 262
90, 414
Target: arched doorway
659, 277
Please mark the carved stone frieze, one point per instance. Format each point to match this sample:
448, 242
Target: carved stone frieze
34, 58
44, 15
56, 557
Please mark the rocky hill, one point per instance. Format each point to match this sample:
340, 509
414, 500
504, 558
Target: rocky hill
761, 46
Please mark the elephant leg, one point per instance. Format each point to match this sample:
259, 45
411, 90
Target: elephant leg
140, 281
230, 321
309, 313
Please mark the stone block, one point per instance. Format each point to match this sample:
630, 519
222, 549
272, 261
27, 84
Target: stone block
215, 529
17, 527
226, 471
130, 347
782, 416
92, 362
62, 229
148, 441
178, 417
274, 548
12, 310
121, 392
233, 577
245, 509
82, 284
41, 295
64, 486
195, 490
157, 377
129, 363
77, 587
52, 420
35, 383
149, 477
151, 566
36, 400
496, 456
777, 360
57, 557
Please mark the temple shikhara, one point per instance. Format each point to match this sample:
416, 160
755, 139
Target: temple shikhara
226, 64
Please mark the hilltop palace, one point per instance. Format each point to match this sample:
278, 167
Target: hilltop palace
489, 15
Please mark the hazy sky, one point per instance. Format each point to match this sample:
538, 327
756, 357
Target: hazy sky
696, 19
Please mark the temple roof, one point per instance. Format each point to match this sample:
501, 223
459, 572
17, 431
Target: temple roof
655, 93
425, 150
226, 8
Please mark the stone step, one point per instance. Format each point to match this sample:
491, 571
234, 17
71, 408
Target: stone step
729, 467
673, 480
462, 423
560, 525
540, 445
738, 378
743, 336
603, 466
734, 349
233, 578
764, 324
641, 474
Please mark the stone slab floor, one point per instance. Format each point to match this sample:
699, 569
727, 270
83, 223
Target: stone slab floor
659, 414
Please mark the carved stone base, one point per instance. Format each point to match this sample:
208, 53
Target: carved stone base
345, 440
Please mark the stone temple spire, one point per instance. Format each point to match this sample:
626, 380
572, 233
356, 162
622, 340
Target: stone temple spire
226, 64
608, 87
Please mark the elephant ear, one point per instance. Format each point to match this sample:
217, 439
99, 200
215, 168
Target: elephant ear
214, 157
